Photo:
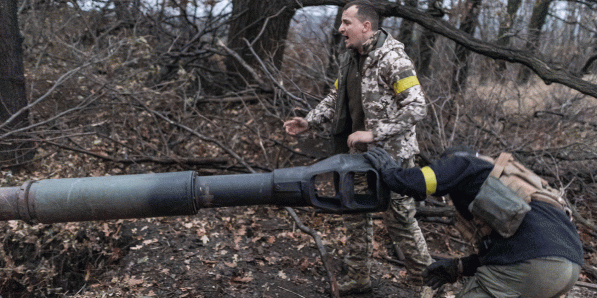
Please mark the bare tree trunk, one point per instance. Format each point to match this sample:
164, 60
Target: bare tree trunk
428, 40
265, 24
506, 26
336, 47
405, 35
127, 11
592, 56
13, 96
538, 17
468, 25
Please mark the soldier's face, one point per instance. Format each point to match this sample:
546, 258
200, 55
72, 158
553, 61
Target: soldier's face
353, 29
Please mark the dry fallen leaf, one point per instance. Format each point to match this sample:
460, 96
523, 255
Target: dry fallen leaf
243, 279
204, 239
134, 281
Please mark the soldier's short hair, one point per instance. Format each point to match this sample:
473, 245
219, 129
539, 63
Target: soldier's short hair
365, 12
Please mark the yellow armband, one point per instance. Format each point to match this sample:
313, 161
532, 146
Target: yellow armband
430, 180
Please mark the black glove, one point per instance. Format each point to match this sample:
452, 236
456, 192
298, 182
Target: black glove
381, 160
441, 272
470, 265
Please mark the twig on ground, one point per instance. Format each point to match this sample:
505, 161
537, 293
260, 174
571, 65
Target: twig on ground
325, 257
287, 290
586, 285
583, 220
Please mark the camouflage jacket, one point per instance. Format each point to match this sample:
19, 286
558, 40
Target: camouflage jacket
393, 101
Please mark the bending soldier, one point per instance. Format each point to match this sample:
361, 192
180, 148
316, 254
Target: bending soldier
534, 252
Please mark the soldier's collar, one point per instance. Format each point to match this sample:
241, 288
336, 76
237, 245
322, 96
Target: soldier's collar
371, 43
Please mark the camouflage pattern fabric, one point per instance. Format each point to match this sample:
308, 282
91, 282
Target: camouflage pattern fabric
360, 245
393, 100
404, 230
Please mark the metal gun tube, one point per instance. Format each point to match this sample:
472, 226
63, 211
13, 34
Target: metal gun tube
184, 193
99, 198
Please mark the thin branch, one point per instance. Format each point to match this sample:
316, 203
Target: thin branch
240, 60
197, 134
49, 120
273, 79
325, 257
265, 25
163, 161
58, 82
582, 220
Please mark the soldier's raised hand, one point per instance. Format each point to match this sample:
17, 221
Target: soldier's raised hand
296, 126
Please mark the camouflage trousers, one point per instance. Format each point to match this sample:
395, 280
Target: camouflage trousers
404, 231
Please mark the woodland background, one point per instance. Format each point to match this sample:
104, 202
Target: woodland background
104, 87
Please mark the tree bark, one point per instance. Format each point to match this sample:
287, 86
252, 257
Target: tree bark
13, 96
538, 17
428, 40
506, 26
336, 47
592, 57
407, 28
265, 24
468, 26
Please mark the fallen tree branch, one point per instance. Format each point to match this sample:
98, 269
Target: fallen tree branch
245, 98
537, 114
163, 161
325, 257
448, 211
586, 285
493, 133
197, 134
591, 270
583, 220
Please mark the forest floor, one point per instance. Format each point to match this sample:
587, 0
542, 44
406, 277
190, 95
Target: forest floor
255, 251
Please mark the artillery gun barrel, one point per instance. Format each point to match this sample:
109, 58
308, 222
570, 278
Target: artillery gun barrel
184, 193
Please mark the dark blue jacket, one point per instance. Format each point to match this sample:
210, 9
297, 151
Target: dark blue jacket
545, 231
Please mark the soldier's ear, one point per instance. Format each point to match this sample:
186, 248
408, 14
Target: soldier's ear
366, 26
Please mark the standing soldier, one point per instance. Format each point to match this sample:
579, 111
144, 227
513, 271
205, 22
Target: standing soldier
377, 101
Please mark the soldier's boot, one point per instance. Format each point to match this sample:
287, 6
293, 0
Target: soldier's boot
356, 280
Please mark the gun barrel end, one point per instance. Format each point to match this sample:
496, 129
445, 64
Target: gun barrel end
9, 203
